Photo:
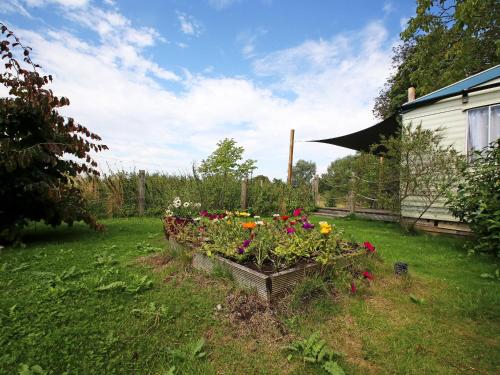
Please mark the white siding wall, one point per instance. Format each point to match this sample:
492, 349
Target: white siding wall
450, 115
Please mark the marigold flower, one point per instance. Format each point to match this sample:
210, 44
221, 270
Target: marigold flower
249, 225
325, 230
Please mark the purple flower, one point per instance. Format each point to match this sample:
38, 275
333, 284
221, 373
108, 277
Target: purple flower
290, 230
307, 225
246, 243
241, 250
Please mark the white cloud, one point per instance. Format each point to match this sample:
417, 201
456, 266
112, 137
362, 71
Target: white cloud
222, 4
403, 22
188, 24
114, 91
14, 6
388, 7
248, 41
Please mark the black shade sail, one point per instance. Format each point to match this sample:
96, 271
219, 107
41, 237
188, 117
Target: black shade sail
363, 139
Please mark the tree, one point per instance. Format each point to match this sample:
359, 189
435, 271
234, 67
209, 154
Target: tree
476, 200
41, 152
371, 182
444, 42
425, 168
227, 161
303, 172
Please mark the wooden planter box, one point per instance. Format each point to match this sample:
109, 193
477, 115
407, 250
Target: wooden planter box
268, 287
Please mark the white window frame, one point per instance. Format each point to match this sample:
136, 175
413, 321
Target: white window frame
489, 106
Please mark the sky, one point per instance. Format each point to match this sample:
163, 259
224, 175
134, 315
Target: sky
162, 81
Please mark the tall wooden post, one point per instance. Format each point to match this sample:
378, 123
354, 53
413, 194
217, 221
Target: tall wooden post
380, 182
290, 156
140, 190
350, 198
315, 190
411, 94
244, 194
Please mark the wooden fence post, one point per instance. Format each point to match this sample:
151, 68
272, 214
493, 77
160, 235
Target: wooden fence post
141, 190
350, 198
244, 193
315, 190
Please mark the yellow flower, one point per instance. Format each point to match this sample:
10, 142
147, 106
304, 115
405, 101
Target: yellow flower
325, 228
229, 222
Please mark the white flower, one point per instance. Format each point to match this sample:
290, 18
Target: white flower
256, 217
197, 219
169, 213
186, 204
259, 222
197, 205
276, 215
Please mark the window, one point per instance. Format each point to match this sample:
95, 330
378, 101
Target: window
484, 127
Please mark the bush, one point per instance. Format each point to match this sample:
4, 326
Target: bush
476, 201
115, 194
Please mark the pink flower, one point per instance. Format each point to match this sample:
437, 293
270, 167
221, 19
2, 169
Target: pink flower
353, 288
204, 213
297, 212
369, 247
368, 275
290, 230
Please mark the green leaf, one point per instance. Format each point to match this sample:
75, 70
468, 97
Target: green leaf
417, 300
333, 368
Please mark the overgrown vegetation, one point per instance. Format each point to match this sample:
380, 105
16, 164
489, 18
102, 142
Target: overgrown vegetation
445, 42
476, 200
41, 151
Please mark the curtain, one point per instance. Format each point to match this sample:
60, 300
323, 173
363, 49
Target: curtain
478, 129
495, 123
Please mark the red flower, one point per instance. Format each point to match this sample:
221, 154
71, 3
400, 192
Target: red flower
293, 222
368, 275
369, 247
297, 212
285, 218
353, 288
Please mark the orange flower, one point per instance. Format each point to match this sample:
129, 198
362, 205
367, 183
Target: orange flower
250, 225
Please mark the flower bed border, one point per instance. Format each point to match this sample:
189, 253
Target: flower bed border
268, 287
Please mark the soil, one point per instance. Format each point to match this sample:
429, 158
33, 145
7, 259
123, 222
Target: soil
156, 261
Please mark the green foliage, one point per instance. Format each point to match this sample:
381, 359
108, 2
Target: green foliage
303, 172
315, 350
35, 142
227, 160
444, 42
279, 243
425, 168
115, 195
476, 199
373, 182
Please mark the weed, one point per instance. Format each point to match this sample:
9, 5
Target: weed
308, 289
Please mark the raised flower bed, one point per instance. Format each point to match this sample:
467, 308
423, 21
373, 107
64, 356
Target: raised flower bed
271, 255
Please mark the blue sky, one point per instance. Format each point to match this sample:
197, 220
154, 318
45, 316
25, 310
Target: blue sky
163, 81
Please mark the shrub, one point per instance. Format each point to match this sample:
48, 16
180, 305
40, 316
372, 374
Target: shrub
41, 151
476, 200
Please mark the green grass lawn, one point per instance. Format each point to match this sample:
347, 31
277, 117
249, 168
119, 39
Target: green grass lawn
82, 302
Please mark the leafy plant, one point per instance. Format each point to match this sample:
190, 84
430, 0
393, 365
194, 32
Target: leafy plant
35, 142
314, 350
476, 199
